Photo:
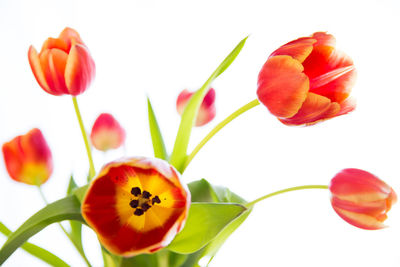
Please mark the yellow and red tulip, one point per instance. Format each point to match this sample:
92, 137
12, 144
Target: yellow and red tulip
136, 205
307, 81
28, 158
361, 199
64, 64
206, 111
107, 133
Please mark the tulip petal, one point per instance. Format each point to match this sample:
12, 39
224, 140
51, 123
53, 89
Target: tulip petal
57, 62
282, 86
70, 37
360, 220
51, 43
37, 70
314, 109
79, 70
324, 39
299, 49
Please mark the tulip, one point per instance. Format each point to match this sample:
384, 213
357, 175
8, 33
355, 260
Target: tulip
136, 205
361, 199
307, 81
207, 109
28, 158
107, 133
64, 64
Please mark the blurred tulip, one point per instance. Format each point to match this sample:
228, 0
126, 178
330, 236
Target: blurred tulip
136, 205
361, 199
28, 158
64, 64
107, 133
206, 110
307, 81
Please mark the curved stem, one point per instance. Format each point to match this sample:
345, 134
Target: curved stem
81, 252
252, 203
217, 128
92, 171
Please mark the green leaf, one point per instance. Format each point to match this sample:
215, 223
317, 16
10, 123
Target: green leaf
37, 251
156, 136
204, 222
179, 153
80, 192
202, 191
71, 186
76, 227
143, 260
176, 259
64, 209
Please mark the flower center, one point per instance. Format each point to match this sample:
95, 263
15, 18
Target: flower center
142, 201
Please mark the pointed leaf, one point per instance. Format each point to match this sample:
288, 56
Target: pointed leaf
204, 222
179, 153
143, 260
80, 192
202, 191
64, 209
76, 227
37, 251
71, 186
156, 136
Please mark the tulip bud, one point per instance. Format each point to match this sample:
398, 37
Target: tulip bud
307, 81
361, 199
136, 205
64, 64
206, 111
28, 158
107, 133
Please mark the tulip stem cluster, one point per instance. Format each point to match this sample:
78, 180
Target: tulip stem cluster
92, 171
252, 203
218, 127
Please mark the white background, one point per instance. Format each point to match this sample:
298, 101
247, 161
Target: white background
158, 48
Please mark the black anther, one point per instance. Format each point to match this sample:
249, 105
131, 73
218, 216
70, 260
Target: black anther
146, 194
155, 199
134, 203
139, 212
145, 206
136, 191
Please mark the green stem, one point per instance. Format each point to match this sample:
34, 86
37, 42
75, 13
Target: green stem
217, 128
163, 258
252, 203
92, 171
78, 248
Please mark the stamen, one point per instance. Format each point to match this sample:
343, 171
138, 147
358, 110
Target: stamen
146, 194
134, 203
155, 199
139, 212
136, 191
145, 206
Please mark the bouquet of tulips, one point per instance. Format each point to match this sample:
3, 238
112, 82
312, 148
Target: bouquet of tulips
140, 208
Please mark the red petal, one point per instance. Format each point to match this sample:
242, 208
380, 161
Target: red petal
57, 61
79, 70
282, 86
70, 37
51, 43
299, 49
37, 70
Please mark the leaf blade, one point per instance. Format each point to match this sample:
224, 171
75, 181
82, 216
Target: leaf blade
179, 152
64, 209
156, 136
204, 222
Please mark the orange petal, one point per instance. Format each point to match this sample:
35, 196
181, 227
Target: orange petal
79, 70
282, 86
299, 49
57, 62
70, 37
37, 70
51, 43
360, 220
324, 39
314, 108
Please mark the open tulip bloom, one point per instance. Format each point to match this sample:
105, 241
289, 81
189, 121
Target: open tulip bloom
140, 208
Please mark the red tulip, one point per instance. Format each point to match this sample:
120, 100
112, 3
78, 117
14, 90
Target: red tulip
64, 64
307, 81
207, 108
136, 205
361, 199
28, 158
107, 133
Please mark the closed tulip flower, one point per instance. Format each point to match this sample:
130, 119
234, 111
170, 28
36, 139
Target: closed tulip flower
107, 133
28, 158
136, 205
307, 81
64, 64
361, 199
206, 111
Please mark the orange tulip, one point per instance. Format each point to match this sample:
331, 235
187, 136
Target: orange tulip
28, 158
361, 199
64, 64
136, 205
107, 133
207, 109
307, 81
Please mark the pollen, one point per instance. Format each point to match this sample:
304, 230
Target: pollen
142, 201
